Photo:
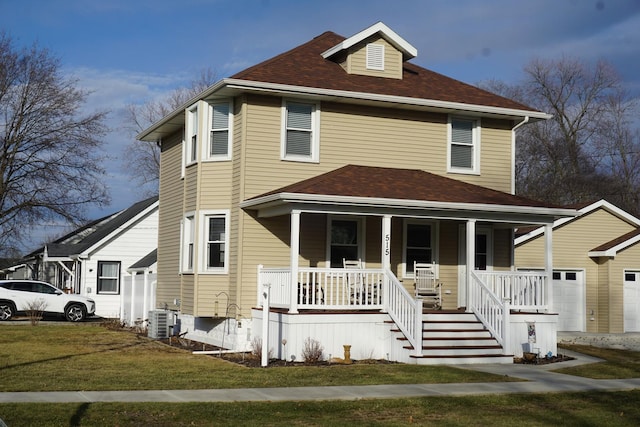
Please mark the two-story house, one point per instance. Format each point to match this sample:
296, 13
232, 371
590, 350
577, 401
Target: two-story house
297, 195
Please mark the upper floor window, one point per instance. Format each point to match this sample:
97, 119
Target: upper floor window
300, 124
464, 145
188, 243
191, 152
220, 131
108, 277
375, 56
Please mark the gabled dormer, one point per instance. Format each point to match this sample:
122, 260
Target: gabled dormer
375, 51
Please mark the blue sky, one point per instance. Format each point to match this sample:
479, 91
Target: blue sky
132, 51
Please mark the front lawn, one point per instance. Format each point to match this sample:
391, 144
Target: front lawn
68, 357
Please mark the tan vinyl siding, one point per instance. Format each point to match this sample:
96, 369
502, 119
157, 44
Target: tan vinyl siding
627, 259
601, 307
357, 60
169, 217
366, 136
448, 259
571, 244
495, 156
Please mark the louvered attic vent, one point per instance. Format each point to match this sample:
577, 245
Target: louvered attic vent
375, 56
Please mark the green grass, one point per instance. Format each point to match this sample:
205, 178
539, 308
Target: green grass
88, 357
619, 363
66, 357
568, 409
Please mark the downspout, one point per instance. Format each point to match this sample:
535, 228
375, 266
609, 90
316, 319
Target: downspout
513, 153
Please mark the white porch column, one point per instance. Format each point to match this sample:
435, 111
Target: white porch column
295, 251
471, 260
548, 262
386, 242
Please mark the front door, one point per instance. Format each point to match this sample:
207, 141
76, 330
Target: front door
483, 257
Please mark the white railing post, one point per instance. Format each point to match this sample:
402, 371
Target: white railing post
506, 326
295, 251
265, 325
259, 289
418, 328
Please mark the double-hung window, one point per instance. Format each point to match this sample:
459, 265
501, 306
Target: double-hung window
220, 131
188, 243
419, 238
300, 124
346, 241
464, 145
191, 150
108, 277
215, 241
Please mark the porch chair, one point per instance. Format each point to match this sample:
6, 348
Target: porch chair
355, 280
427, 286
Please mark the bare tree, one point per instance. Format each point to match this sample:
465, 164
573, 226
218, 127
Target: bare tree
142, 160
50, 153
574, 157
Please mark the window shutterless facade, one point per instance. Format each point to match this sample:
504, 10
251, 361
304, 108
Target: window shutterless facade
215, 241
108, 277
220, 131
187, 252
191, 140
464, 145
346, 240
419, 244
300, 127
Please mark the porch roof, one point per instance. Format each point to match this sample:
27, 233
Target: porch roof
380, 190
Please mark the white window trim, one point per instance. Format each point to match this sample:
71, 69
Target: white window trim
315, 132
475, 169
201, 237
185, 233
361, 221
206, 146
189, 131
118, 277
435, 240
375, 57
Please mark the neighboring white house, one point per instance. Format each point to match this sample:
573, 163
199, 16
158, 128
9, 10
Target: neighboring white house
95, 259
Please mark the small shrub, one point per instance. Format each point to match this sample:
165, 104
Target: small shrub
113, 324
312, 352
256, 348
35, 310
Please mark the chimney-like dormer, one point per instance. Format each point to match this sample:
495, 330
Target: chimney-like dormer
375, 51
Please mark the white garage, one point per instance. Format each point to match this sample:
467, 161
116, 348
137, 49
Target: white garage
632, 301
569, 299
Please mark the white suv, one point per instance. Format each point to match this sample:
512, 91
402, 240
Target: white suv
22, 295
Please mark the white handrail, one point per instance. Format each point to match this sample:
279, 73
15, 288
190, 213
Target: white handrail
404, 310
490, 310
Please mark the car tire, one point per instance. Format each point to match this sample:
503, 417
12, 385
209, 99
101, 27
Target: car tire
6, 310
75, 313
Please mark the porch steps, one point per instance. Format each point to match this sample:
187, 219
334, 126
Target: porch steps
455, 337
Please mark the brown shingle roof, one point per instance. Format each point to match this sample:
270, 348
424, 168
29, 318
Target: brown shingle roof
615, 242
404, 184
305, 66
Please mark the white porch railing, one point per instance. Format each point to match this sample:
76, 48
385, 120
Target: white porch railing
346, 289
324, 288
527, 290
492, 311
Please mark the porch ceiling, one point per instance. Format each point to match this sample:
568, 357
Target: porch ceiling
402, 192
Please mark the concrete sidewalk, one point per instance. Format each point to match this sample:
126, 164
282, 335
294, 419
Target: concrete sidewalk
538, 379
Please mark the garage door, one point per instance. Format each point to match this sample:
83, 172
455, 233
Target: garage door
569, 299
632, 301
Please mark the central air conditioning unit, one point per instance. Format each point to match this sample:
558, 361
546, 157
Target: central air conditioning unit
160, 321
